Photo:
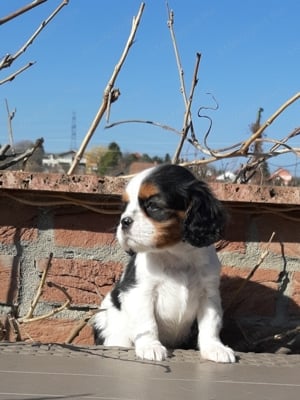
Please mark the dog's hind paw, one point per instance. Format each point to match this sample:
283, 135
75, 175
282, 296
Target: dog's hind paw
153, 351
216, 351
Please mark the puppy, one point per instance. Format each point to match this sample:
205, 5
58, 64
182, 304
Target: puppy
170, 288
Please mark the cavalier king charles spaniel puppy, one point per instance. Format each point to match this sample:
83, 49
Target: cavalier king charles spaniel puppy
168, 294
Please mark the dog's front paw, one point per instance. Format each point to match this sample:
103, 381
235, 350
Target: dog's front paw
153, 351
216, 351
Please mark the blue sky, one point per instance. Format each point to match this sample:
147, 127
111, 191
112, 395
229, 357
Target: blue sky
250, 59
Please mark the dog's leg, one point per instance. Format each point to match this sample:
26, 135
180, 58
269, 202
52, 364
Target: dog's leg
148, 347
143, 326
111, 326
209, 323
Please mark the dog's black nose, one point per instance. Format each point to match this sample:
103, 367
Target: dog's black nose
126, 222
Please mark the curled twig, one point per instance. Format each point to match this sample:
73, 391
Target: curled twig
200, 115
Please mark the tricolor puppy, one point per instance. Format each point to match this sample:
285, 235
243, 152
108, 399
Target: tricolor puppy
169, 291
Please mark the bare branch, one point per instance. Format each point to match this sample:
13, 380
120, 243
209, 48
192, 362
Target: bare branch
170, 24
188, 124
21, 11
24, 156
108, 90
9, 59
187, 116
76, 330
10, 117
257, 134
140, 121
39, 291
18, 72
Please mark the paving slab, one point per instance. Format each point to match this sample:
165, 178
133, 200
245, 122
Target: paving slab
43, 372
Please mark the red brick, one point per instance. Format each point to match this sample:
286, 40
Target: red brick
235, 234
287, 234
55, 331
86, 281
18, 222
232, 247
256, 298
294, 305
85, 229
9, 279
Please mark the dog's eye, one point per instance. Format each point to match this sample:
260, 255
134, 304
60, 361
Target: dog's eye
156, 210
151, 206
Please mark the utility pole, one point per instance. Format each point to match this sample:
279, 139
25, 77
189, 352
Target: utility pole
73, 145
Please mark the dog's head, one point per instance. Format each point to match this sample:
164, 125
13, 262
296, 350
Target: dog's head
166, 205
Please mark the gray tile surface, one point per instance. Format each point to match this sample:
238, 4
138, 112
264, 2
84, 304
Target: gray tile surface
66, 372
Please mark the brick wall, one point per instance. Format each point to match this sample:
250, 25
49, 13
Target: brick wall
68, 224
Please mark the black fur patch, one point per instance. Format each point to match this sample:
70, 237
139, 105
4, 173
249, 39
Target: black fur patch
127, 281
98, 337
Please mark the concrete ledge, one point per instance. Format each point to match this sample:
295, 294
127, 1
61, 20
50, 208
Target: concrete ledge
176, 356
92, 184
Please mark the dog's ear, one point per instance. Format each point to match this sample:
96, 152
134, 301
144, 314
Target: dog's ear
205, 218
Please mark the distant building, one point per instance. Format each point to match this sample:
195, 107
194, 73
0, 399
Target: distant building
61, 162
281, 176
227, 176
138, 166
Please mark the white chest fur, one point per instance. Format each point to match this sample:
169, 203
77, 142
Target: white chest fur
176, 284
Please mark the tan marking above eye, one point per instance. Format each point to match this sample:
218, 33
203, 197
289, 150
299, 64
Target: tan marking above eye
147, 190
125, 197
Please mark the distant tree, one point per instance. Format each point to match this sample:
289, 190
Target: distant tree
263, 168
146, 158
167, 158
110, 160
157, 160
93, 158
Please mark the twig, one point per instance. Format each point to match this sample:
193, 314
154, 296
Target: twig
18, 72
140, 121
52, 312
250, 275
170, 24
187, 115
39, 290
4, 149
108, 90
21, 11
269, 121
68, 201
23, 156
10, 117
278, 336
82, 323
30, 318
9, 59
188, 123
